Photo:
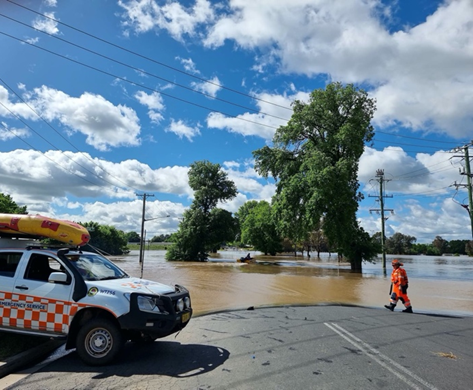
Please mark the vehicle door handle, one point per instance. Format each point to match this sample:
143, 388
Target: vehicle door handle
21, 287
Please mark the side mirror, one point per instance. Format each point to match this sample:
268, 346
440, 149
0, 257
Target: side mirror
58, 277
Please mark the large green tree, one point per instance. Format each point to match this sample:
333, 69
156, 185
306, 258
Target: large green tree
223, 227
259, 229
9, 206
106, 238
241, 215
440, 244
204, 226
314, 160
399, 244
133, 237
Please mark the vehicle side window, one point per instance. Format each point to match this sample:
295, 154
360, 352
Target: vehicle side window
40, 267
9, 263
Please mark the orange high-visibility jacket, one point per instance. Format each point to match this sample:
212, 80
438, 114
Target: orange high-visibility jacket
399, 277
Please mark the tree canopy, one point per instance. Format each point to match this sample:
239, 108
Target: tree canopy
106, 238
204, 226
314, 160
9, 206
259, 230
133, 237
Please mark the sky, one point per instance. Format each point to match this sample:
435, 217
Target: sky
105, 101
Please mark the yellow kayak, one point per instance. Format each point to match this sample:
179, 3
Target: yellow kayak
37, 225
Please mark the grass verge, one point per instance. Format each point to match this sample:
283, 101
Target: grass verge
149, 246
12, 344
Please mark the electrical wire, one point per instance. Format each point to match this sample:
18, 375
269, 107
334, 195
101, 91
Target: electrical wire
56, 164
148, 58
420, 139
179, 70
137, 83
405, 144
145, 72
162, 64
64, 138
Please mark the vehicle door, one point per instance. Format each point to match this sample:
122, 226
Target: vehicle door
9, 261
42, 305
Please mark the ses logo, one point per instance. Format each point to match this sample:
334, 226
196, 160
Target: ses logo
94, 291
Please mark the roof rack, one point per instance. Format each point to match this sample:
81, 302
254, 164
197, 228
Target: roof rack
56, 246
20, 235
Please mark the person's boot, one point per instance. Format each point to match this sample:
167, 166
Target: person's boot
390, 307
408, 310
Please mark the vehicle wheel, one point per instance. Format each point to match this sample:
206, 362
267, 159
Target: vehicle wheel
98, 342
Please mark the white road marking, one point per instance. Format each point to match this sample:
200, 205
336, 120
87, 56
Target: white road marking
381, 359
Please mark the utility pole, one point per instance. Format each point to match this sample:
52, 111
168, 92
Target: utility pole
382, 180
143, 224
467, 171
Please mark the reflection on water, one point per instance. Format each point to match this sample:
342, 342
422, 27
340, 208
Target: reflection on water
436, 284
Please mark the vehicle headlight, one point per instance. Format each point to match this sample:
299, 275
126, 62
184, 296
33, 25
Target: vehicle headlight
147, 304
187, 302
180, 304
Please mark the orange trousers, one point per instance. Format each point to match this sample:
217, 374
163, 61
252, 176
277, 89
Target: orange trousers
397, 294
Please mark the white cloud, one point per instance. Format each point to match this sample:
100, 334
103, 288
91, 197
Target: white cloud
104, 124
210, 87
32, 41
181, 129
408, 181
421, 76
422, 174
8, 134
189, 65
146, 15
56, 174
154, 102
274, 112
45, 24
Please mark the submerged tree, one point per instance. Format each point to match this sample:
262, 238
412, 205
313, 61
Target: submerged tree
315, 160
259, 230
204, 226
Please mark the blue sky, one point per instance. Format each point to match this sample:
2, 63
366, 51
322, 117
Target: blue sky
102, 102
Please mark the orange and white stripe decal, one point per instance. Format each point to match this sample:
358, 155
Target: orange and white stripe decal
36, 313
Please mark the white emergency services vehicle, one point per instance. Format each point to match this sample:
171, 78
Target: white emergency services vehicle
84, 298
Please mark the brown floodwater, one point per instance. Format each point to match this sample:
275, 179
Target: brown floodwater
441, 285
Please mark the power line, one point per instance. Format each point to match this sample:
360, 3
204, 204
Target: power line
58, 165
64, 138
176, 69
148, 58
137, 84
416, 138
422, 193
421, 174
145, 72
405, 144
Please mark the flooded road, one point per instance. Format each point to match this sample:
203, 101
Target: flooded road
442, 285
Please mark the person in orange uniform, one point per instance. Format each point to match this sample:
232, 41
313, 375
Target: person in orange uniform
399, 284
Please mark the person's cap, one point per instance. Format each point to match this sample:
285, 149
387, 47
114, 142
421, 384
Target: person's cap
396, 262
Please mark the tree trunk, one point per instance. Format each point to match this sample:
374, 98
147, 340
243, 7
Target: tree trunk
356, 265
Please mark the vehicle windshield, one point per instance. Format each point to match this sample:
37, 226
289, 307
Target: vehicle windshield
93, 266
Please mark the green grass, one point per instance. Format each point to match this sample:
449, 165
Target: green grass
153, 246
12, 344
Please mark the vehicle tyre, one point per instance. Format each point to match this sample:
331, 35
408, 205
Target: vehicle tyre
98, 342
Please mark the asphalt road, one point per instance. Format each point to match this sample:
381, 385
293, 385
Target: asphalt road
315, 347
